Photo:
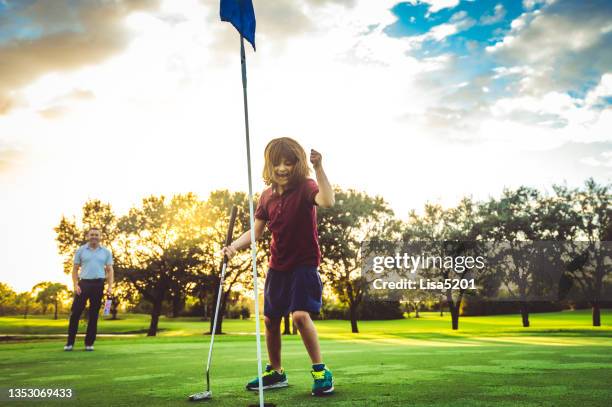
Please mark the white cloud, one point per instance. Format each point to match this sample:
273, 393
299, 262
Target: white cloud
603, 89
503, 71
499, 12
436, 5
166, 117
552, 102
604, 161
441, 31
530, 4
462, 20
458, 22
561, 43
62, 26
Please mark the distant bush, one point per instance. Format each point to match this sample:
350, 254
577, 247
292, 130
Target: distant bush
142, 307
380, 310
472, 307
368, 310
574, 305
238, 309
333, 310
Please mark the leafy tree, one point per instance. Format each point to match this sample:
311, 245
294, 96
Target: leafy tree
48, 293
123, 293
202, 290
165, 249
590, 211
7, 298
513, 222
559, 215
451, 231
24, 302
159, 248
239, 270
41, 299
355, 218
596, 215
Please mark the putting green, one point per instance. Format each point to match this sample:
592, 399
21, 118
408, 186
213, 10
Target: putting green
559, 361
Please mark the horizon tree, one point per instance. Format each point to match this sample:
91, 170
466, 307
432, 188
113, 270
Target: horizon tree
49, 293
582, 217
7, 298
23, 300
513, 223
452, 231
355, 218
123, 293
239, 270
159, 248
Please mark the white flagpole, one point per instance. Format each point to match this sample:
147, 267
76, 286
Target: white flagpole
252, 219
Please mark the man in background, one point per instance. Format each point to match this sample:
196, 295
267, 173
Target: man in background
96, 264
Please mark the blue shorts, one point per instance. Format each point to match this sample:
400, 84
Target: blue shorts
299, 289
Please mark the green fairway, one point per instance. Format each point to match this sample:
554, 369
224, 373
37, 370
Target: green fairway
560, 360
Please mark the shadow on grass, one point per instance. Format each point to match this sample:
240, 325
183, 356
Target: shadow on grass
37, 337
561, 332
525, 332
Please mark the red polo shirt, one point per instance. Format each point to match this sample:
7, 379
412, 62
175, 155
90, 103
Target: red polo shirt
292, 219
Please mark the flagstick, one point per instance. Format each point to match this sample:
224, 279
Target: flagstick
251, 217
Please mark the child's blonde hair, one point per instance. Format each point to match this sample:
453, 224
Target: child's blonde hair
290, 150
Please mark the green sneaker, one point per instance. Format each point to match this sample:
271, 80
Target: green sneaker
323, 382
270, 379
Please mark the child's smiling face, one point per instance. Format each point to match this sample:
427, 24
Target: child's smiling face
285, 163
283, 171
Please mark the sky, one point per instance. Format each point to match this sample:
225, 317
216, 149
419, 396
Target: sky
417, 101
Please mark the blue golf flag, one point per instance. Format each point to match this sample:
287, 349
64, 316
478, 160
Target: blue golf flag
242, 16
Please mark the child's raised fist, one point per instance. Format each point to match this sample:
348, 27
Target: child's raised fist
315, 158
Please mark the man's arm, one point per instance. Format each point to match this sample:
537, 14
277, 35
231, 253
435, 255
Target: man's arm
325, 197
75, 279
110, 278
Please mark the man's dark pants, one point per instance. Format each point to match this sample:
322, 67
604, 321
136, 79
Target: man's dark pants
91, 290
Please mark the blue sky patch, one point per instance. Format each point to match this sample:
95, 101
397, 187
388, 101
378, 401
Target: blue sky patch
414, 19
480, 24
16, 23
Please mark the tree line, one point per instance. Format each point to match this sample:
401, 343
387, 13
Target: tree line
40, 299
165, 249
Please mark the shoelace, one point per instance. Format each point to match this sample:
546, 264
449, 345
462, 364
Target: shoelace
268, 372
318, 375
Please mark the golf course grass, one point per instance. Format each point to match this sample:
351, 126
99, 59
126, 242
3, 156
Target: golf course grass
559, 361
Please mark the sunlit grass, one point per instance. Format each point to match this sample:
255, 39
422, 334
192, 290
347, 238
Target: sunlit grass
561, 360
429, 324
